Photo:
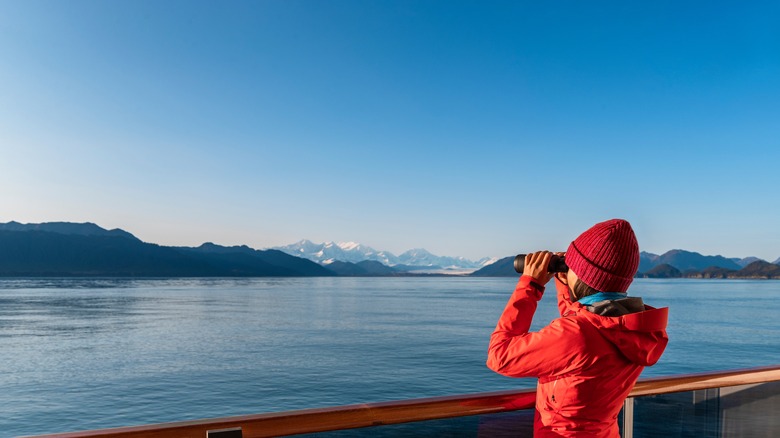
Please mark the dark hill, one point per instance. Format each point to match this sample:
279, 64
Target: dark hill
245, 259
39, 253
209, 247
502, 268
376, 268
42, 253
346, 269
69, 228
687, 261
758, 269
663, 271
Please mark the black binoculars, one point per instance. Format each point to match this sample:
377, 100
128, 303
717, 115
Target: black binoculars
557, 264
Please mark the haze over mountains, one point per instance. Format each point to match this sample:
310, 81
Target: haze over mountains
328, 252
72, 249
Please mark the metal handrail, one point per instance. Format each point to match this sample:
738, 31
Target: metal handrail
435, 408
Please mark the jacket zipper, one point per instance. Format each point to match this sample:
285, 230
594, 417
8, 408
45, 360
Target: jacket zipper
552, 397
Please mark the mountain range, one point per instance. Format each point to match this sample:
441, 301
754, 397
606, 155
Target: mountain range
64, 249
85, 249
351, 252
672, 264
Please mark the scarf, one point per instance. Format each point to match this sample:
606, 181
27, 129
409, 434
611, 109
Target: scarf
601, 296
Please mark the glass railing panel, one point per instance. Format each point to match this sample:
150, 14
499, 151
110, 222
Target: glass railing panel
751, 410
744, 411
684, 414
504, 425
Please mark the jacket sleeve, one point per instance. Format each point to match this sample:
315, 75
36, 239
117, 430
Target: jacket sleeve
516, 352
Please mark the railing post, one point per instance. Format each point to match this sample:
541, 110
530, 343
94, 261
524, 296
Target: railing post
628, 418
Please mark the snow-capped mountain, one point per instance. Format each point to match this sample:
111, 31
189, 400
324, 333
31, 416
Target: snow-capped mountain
355, 252
421, 257
344, 251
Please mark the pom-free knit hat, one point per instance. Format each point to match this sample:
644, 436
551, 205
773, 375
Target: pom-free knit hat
606, 256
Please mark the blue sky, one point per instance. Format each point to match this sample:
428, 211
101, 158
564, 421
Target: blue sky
467, 128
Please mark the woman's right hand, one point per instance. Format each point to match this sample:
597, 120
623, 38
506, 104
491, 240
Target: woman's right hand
536, 264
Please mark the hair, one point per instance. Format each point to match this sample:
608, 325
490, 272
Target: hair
582, 290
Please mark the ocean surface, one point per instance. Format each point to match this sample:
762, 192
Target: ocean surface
94, 353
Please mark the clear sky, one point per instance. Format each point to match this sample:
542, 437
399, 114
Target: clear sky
467, 128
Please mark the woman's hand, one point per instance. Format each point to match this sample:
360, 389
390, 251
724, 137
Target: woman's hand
536, 264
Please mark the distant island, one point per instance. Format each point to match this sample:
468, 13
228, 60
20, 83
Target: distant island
757, 270
64, 249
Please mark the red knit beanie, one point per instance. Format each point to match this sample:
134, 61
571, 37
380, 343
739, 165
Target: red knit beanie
606, 256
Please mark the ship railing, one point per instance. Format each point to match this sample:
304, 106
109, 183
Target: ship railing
743, 402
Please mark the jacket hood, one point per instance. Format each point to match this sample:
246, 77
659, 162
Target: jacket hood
639, 336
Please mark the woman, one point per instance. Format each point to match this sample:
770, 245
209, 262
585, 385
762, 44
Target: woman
587, 360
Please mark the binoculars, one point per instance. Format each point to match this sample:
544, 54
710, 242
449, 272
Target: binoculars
557, 264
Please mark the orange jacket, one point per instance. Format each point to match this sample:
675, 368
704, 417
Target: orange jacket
586, 363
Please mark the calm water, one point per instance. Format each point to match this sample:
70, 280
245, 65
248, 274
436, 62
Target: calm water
83, 354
